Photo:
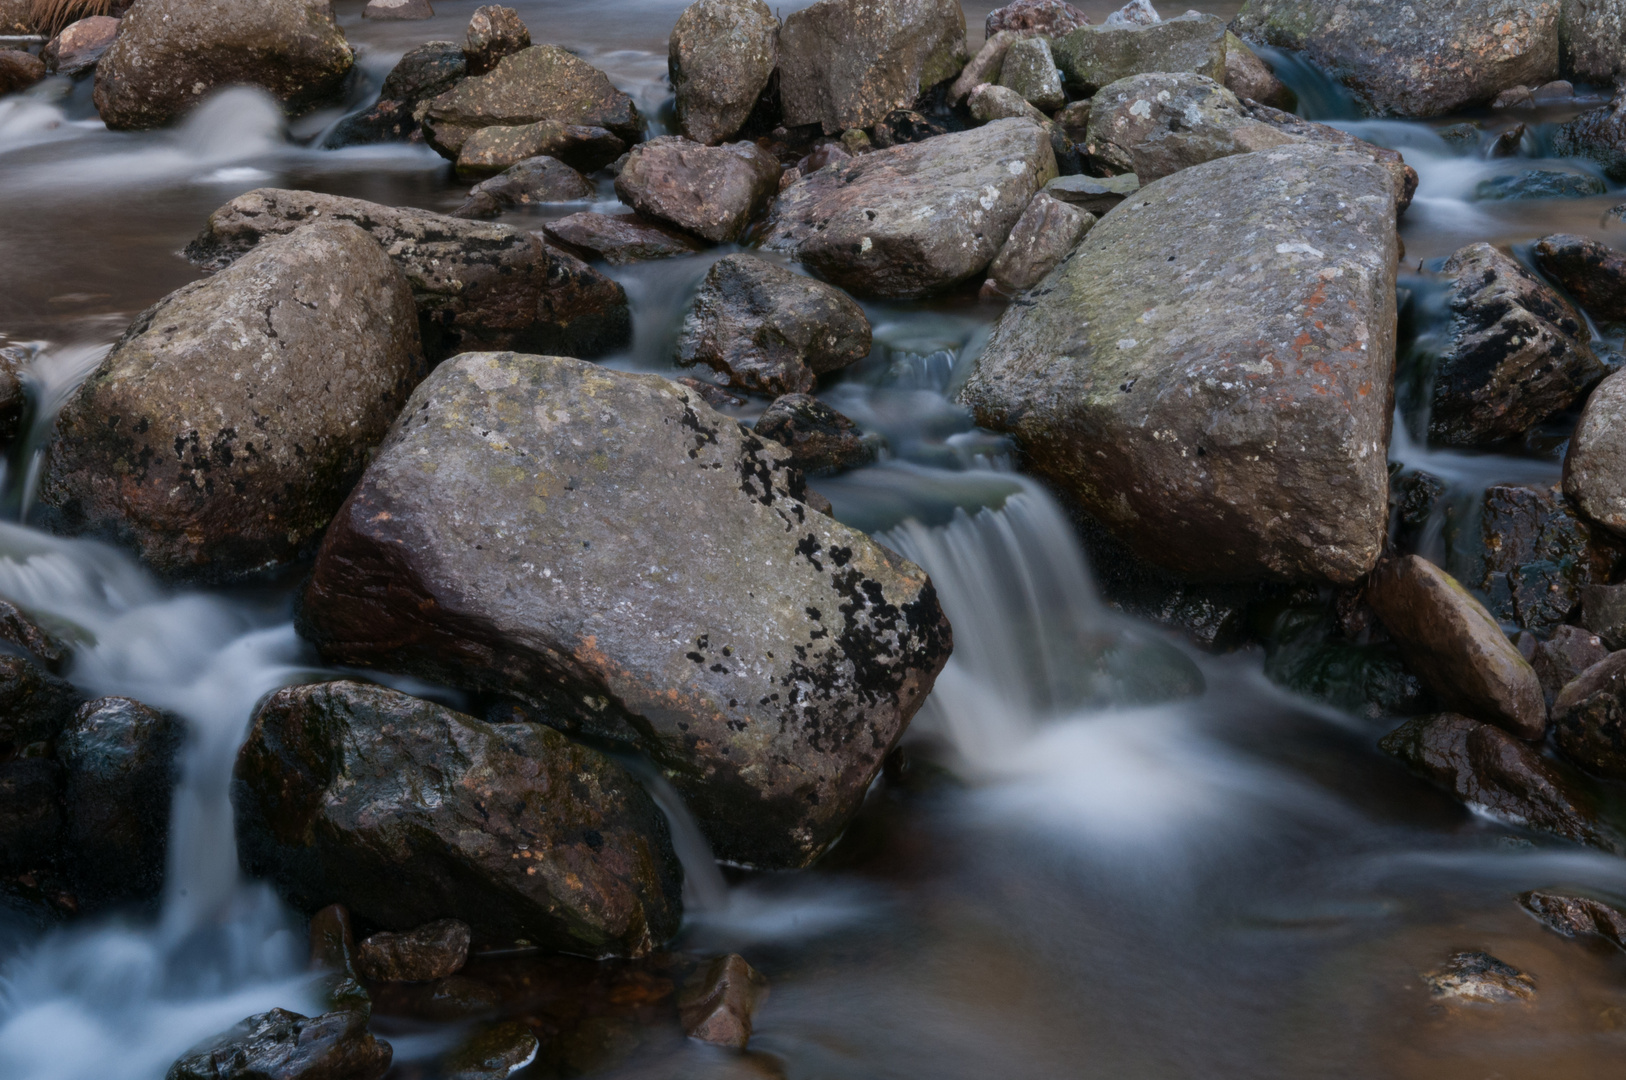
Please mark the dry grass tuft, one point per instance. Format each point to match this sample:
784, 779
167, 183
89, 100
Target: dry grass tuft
50, 16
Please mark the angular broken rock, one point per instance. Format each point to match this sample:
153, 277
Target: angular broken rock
80, 45
847, 63
1477, 976
534, 180
1589, 718
1095, 56
721, 57
1576, 916
494, 149
643, 570
768, 330
1250, 78
718, 1003
1093, 195
1562, 657
820, 440
494, 32
1603, 611
1598, 135
475, 284
619, 239
713, 192
1157, 124
990, 102
1052, 18
1456, 647
1047, 230
1030, 70
1593, 273
431, 951
984, 67
1486, 767
199, 440
1238, 448
1134, 13
406, 811
424, 72
914, 219
286, 1046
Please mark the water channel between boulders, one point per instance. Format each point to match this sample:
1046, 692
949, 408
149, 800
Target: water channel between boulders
1105, 853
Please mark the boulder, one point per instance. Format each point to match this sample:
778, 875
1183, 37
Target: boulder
820, 440
1589, 718
1593, 274
17, 17
1603, 611
640, 569
985, 66
1515, 353
1030, 70
534, 180
121, 762
427, 71
475, 284
1480, 977
1051, 18
80, 44
770, 331
619, 239
30, 814
1404, 176
711, 191
1592, 40
282, 1045
1134, 13
1235, 448
989, 102
1489, 769
1539, 556
494, 32
199, 440
19, 70
1251, 79
35, 707
1095, 56
1576, 916
1595, 466
402, 10
1439, 58
915, 219
424, 953
543, 82
1157, 124
1539, 184
1091, 194
170, 53
406, 811
1456, 647
847, 63
717, 1004
495, 149
1559, 659
1047, 230
721, 59
1597, 135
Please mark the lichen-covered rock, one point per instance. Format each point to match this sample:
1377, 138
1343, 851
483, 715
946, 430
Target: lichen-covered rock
619, 239
1592, 40
427, 71
543, 82
406, 812
1093, 195
820, 440
1157, 124
770, 331
226, 426
1593, 273
642, 570
914, 219
494, 32
1134, 13
424, 953
1052, 18
1236, 446
534, 180
1516, 352
847, 63
711, 191
1095, 56
721, 57
1539, 556
990, 101
495, 149
1030, 70
1597, 135
1595, 466
1429, 58
983, 67
80, 45
282, 1045
1403, 175
170, 53
1251, 79
19, 70
1456, 647
1047, 230
475, 284
720, 1000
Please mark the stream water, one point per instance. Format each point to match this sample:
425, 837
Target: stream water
1071, 880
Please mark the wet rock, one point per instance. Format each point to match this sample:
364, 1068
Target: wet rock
170, 53
19, 628
1456, 647
475, 284
1576, 916
1589, 718
495, 149
1251, 79
1539, 555
1047, 230
333, 941
30, 813
983, 67
847, 63
820, 440
719, 1001
1597, 135
711, 191
767, 675
619, 239
1095, 56
80, 44
543, 82
1052, 18
1477, 976
425, 72
1403, 175
1593, 273
121, 761
407, 811
534, 180
1595, 466
1603, 611
34, 707
1267, 460
495, 1052
494, 33
1438, 59
1093, 195
770, 331
1539, 184
1157, 124
198, 441
1030, 70
1515, 97
1490, 769
19, 70
1559, 659
1516, 352
282, 1045
445, 1001
721, 58
915, 219
1508, 143
425, 953
989, 102
403, 10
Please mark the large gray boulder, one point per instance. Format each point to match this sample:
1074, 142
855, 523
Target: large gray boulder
1095, 56
405, 811
1595, 467
1424, 58
1592, 40
639, 569
1029, 68
847, 63
914, 219
1211, 375
475, 284
721, 57
228, 424
170, 53
711, 191
1156, 124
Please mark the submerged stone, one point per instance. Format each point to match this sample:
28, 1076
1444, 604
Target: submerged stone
718, 1003
1540, 184
1478, 976
282, 1045
1576, 916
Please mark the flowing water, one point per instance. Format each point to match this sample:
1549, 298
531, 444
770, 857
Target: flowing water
1110, 856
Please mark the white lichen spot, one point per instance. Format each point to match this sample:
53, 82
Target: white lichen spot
1127, 343
1300, 249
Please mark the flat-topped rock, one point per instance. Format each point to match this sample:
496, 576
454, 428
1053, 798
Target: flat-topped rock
1095, 56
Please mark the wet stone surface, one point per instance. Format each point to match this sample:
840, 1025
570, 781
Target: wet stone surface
1480, 977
